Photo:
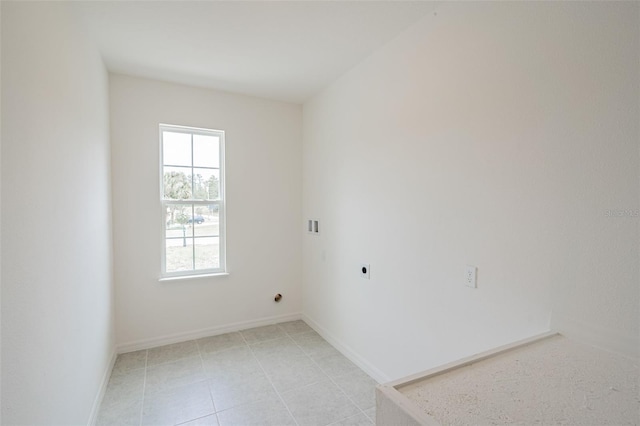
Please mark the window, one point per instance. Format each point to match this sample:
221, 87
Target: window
192, 200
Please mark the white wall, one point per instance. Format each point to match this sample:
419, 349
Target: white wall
0, 213
491, 134
57, 328
264, 191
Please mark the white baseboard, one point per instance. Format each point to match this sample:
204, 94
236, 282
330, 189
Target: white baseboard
600, 337
205, 332
353, 356
93, 416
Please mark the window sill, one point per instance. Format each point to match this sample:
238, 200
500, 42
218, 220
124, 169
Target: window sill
188, 277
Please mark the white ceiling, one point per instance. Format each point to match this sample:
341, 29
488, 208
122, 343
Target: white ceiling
272, 49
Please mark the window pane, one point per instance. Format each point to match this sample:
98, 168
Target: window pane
206, 184
207, 253
176, 183
206, 151
179, 254
191, 174
207, 221
178, 220
176, 148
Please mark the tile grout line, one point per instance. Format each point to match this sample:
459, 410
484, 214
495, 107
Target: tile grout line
308, 384
171, 361
288, 335
267, 376
144, 384
215, 412
345, 394
347, 418
333, 381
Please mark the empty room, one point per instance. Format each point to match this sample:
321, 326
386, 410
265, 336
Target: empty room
318, 213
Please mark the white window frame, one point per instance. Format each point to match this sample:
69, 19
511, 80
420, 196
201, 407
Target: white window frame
221, 202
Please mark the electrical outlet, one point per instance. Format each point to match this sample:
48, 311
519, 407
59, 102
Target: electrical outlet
470, 277
365, 271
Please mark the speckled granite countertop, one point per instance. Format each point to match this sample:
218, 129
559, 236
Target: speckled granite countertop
554, 381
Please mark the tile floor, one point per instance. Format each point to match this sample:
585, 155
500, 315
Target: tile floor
284, 374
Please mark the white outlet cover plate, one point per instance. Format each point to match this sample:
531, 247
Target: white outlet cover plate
470, 276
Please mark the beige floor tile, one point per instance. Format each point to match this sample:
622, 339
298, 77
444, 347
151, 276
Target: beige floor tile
295, 327
313, 344
124, 388
358, 420
230, 363
277, 352
359, 387
177, 405
371, 413
122, 413
240, 379
319, 404
261, 334
129, 361
170, 353
221, 342
269, 412
240, 389
211, 420
294, 374
334, 364
275, 348
178, 373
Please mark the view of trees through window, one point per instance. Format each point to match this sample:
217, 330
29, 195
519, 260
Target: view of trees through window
191, 195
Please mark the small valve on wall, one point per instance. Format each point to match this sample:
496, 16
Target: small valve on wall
278, 297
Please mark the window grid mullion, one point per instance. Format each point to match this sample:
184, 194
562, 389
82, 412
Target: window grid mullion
190, 201
186, 167
193, 211
198, 237
193, 236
